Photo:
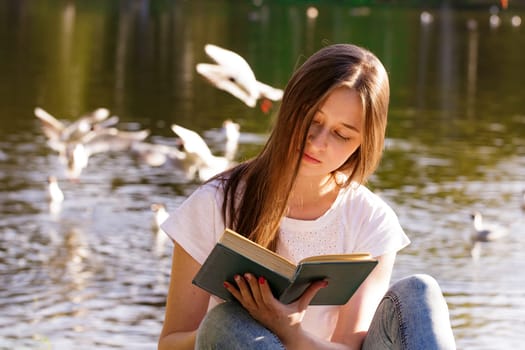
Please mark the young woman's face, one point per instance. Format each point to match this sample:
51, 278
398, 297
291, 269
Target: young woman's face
335, 133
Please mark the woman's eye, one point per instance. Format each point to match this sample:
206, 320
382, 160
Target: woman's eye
342, 137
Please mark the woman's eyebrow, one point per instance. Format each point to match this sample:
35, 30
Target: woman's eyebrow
346, 125
349, 126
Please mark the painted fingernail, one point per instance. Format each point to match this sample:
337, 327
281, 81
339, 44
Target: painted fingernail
237, 278
261, 280
226, 285
325, 284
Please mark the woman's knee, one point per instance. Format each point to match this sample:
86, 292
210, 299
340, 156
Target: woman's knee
422, 313
419, 302
418, 286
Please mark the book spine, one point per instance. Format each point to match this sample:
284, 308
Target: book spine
295, 289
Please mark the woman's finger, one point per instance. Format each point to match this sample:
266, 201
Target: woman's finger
254, 288
243, 288
233, 291
249, 290
266, 293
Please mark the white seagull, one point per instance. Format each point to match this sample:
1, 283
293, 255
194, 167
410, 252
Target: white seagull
90, 134
485, 233
59, 133
55, 196
160, 215
232, 134
54, 193
96, 141
156, 155
199, 162
234, 75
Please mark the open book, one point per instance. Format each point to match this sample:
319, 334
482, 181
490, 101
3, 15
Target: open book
236, 254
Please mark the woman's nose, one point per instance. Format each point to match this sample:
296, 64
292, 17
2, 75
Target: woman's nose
317, 137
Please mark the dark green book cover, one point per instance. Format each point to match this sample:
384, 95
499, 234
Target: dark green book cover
344, 276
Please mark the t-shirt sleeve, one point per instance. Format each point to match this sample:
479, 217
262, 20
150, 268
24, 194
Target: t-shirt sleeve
196, 225
379, 231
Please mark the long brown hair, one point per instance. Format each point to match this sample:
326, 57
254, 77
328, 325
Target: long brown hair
256, 191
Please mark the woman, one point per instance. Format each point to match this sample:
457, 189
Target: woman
304, 195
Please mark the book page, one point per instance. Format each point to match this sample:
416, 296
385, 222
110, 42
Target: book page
258, 253
338, 257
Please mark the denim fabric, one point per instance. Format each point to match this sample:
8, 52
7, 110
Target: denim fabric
413, 315
228, 326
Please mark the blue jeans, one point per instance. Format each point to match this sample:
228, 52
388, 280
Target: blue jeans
413, 315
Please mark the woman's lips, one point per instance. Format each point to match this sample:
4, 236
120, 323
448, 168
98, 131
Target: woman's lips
308, 158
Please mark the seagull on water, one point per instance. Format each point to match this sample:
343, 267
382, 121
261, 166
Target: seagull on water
102, 140
232, 134
156, 154
482, 232
55, 196
199, 162
59, 133
160, 215
54, 193
90, 134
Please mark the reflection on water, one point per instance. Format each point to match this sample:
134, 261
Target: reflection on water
92, 271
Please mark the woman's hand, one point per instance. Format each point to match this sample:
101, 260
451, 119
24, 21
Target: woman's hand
256, 297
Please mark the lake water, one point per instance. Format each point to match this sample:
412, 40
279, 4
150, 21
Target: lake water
94, 274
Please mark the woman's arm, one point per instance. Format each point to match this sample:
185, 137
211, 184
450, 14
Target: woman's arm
186, 304
355, 317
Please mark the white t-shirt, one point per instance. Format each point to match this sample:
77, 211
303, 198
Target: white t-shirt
358, 221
